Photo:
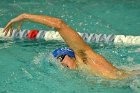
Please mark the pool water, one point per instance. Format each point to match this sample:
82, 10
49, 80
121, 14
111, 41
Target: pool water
27, 67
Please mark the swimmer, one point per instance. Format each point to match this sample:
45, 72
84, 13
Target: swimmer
79, 54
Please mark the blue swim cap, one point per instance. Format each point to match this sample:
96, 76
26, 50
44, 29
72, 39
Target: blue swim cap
63, 51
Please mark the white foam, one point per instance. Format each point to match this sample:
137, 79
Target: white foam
135, 85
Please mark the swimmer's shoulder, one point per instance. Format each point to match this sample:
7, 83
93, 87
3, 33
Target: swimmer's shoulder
84, 54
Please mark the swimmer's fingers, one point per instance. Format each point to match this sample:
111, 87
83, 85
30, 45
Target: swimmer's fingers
13, 22
7, 29
7, 26
10, 27
19, 26
11, 31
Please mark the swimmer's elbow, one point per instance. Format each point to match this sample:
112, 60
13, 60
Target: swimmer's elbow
60, 24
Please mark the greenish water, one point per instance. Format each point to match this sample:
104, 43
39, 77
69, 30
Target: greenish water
29, 67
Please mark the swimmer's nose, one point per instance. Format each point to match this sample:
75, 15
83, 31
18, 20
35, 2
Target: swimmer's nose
68, 62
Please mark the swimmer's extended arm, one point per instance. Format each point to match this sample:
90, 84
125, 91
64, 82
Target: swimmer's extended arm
71, 37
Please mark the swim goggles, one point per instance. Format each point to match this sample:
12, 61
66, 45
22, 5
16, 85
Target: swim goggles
60, 53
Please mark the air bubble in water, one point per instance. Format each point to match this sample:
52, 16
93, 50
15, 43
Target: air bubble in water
130, 59
41, 11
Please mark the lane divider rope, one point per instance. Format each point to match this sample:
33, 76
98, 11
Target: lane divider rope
88, 37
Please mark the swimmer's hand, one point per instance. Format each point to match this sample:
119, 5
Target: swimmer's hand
10, 26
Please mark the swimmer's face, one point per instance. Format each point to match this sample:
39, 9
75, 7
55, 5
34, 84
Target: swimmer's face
69, 62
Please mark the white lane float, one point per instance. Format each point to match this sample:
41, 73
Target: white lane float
88, 37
